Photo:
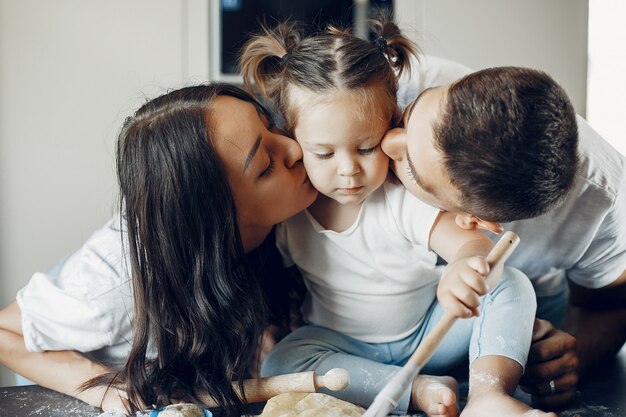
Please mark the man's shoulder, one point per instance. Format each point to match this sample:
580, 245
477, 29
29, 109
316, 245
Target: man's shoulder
428, 71
602, 166
598, 194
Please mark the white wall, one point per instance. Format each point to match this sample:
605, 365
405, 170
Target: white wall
70, 71
549, 35
607, 66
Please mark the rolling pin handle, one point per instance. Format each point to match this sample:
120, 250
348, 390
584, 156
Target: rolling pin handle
336, 379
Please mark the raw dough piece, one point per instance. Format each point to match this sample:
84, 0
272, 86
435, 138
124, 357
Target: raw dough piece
301, 404
182, 410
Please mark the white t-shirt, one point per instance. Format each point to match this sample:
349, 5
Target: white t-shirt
430, 72
584, 239
85, 303
374, 281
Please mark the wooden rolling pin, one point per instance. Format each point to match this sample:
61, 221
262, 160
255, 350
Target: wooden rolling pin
263, 389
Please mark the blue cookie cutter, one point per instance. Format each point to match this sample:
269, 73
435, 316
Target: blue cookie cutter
156, 412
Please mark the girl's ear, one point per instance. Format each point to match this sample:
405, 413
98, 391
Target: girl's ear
470, 222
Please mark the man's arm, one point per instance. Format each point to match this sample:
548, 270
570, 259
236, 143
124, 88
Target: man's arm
61, 371
597, 318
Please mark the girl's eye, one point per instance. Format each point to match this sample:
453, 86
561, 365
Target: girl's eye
323, 155
270, 167
368, 151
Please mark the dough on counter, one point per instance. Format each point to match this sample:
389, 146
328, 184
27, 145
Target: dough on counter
182, 410
301, 404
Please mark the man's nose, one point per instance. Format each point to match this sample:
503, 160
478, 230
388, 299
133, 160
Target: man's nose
394, 143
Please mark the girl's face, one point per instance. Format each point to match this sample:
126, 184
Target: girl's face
265, 169
340, 139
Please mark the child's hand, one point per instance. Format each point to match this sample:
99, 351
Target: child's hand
462, 284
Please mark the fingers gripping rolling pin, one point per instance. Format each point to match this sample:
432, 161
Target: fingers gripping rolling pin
388, 398
265, 388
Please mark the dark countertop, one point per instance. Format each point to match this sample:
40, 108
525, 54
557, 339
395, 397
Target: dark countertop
601, 395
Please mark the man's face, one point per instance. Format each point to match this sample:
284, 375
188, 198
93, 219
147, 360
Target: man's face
415, 160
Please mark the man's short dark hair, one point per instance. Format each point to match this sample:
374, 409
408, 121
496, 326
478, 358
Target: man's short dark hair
510, 142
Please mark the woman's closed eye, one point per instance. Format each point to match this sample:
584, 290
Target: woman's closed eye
270, 167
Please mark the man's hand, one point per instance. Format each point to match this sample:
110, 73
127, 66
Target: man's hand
551, 375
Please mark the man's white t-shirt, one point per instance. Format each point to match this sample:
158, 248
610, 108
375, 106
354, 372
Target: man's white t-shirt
374, 281
584, 239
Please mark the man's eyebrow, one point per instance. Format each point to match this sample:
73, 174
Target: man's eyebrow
416, 177
252, 152
412, 106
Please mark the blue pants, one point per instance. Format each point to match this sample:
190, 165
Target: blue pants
552, 307
503, 328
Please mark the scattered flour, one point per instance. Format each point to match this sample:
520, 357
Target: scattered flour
138, 414
502, 342
483, 378
174, 410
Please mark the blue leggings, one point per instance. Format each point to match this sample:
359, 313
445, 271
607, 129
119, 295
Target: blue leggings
503, 328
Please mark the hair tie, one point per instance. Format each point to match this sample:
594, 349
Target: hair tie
381, 43
285, 58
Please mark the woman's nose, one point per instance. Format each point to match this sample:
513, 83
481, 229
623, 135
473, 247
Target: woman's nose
394, 143
291, 150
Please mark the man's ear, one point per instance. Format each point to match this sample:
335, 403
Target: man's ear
470, 222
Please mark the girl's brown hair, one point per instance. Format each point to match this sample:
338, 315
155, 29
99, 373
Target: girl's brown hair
281, 58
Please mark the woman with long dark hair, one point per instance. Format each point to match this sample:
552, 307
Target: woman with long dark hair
164, 301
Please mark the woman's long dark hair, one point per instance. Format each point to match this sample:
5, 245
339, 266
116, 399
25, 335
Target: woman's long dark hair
197, 302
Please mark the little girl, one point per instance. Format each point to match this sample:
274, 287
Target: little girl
363, 247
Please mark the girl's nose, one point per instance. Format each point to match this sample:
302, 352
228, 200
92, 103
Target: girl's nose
394, 143
348, 167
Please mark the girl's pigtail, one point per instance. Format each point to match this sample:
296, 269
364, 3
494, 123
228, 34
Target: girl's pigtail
265, 57
397, 48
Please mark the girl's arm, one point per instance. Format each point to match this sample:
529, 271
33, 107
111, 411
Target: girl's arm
61, 371
463, 281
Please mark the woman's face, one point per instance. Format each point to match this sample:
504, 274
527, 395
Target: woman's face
264, 168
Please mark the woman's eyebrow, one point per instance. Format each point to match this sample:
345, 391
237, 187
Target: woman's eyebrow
252, 152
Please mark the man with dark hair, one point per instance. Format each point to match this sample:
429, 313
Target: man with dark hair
509, 138
504, 145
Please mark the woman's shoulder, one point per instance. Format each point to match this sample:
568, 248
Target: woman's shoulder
97, 268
